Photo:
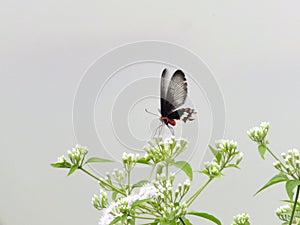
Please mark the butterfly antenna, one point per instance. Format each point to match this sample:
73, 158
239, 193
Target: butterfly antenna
152, 113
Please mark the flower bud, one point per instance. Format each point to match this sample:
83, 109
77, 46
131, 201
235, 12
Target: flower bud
241, 219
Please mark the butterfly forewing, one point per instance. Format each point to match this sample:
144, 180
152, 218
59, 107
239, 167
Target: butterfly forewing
165, 107
177, 90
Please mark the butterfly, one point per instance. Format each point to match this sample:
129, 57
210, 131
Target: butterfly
172, 96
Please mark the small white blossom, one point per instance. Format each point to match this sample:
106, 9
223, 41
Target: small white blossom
61, 159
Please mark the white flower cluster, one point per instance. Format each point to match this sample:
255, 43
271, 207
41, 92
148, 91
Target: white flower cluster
213, 169
129, 157
173, 210
228, 146
77, 154
165, 149
168, 199
129, 160
122, 205
100, 201
292, 163
284, 212
241, 219
258, 134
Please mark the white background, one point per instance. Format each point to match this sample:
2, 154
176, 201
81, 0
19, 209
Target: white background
252, 47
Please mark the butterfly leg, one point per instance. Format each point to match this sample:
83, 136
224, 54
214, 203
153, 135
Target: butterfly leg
158, 129
171, 130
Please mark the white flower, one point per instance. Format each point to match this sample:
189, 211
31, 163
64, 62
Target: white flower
148, 191
265, 125
108, 214
227, 145
61, 159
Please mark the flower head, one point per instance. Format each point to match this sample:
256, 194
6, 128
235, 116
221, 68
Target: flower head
165, 149
228, 146
100, 201
241, 219
213, 169
258, 134
77, 154
290, 164
129, 160
284, 212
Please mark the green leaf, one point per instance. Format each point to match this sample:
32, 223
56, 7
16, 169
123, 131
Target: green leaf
139, 202
213, 150
96, 159
291, 202
185, 167
233, 165
143, 161
274, 180
115, 220
173, 222
216, 153
61, 165
140, 183
290, 186
262, 150
72, 169
206, 216
153, 223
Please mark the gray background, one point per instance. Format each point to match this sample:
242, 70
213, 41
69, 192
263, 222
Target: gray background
252, 47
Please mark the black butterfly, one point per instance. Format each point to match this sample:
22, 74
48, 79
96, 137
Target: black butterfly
172, 96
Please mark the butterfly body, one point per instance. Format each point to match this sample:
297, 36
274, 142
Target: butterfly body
168, 121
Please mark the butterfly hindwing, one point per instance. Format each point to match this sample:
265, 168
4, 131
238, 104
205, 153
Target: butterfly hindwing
186, 114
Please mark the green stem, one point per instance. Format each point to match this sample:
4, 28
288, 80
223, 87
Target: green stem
151, 172
197, 193
89, 173
295, 204
167, 170
143, 217
128, 182
101, 180
275, 157
181, 220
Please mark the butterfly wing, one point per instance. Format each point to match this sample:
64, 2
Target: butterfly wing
173, 96
184, 114
165, 106
177, 90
